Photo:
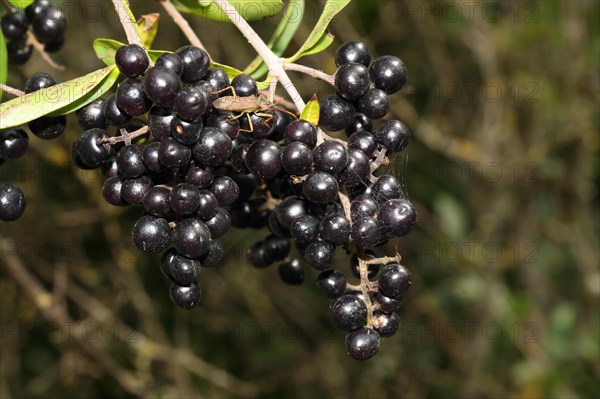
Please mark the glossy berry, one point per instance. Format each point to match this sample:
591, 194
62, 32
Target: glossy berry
223, 120
385, 188
12, 202
184, 199
319, 254
219, 224
130, 161
330, 157
19, 51
214, 255
186, 297
352, 81
386, 304
111, 191
297, 158
363, 206
238, 158
13, 143
36, 9
89, 151
258, 127
38, 81
92, 115
132, 60
170, 61
357, 169
225, 190
183, 270
305, 230
51, 26
332, 283
359, 123
14, 25
363, 343
172, 154
195, 63
290, 210
218, 79
187, 133
388, 323
388, 73
335, 229
321, 187
161, 85
374, 104
131, 97
364, 141
156, 202
394, 280
291, 272
190, 103
264, 159
276, 248
48, 127
115, 115
366, 232
303, 131
151, 234
150, 157
191, 237
244, 85
208, 205
348, 312
335, 113
393, 135
134, 190
398, 217
255, 254
353, 52
199, 175
213, 148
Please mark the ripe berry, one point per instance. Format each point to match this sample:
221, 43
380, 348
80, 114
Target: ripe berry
36, 9
357, 168
335, 229
335, 113
238, 158
130, 161
38, 81
161, 85
385, 189
217, 78
151, 235
352, 81
225, 189
332, 283
305, 229
363, 206
276, 248
51, 26
214, 255
264, 159
394, 280
92, 115
134, 190
150, 157
303, 131
244, 85
111, 191
388, 73
330, 157
258, 127
208, 205
393, 135
190, 103
386, 304
172, 154
363, 343
375, 104
132, 60
183, 270
184, 199
12, 202
89, 151
319, 254
14, 25
364, 141
359, 123
353, 51
19, 51
291, 272
170, 61
255, 254
191, 237
389, 323
321, 187
186, 297
348, 312
48, 127
297, 158
156, 202
13, 143
219, 224
195, 63
223, 120
131, 97
213, 148
199, 175
398, 217
115, 115
366, 232
290, 210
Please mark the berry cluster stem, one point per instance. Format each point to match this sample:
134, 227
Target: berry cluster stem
126, 137
40, 48
127, 21
315, 73
11, 90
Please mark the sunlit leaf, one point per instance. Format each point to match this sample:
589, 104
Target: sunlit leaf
21, 3
315, 40
250, 10
311, 112
147, 26
51, 99
105, 50
3, 61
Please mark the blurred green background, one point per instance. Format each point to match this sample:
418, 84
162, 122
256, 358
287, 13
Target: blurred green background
503, 104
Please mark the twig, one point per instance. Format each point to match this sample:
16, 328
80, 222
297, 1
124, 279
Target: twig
40, 48
273, 62
127, 21
345, 204
272, 88
315, 73
280, 100
11, 90
379, 160
127, 137
182, 23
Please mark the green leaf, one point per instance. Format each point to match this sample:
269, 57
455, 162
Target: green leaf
31, 106
317, 40
281, 38
311, 112
147, 26
21, 3
105, 50
3, 61
250, 10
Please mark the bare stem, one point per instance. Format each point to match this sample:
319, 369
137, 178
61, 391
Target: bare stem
290, 66
40, 48
273, 62
127, 21
11, 90
182, 23
126, 137
380, 160
346, 205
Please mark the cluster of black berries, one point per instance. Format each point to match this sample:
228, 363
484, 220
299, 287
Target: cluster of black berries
14, 143
48, 24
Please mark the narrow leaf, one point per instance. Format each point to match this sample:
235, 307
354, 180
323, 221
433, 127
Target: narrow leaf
321, 45
43, 102
105, 50
331, 9
147, 26
250, 10
311, 112
3, 61
21, 3
289, 24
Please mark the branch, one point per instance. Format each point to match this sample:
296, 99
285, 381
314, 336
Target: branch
40, 48
273, 62
11, 90
126, 137
379, 160
290, 66
127, 21
182, 23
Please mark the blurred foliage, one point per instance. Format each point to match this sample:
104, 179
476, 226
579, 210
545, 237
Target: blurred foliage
503, 167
